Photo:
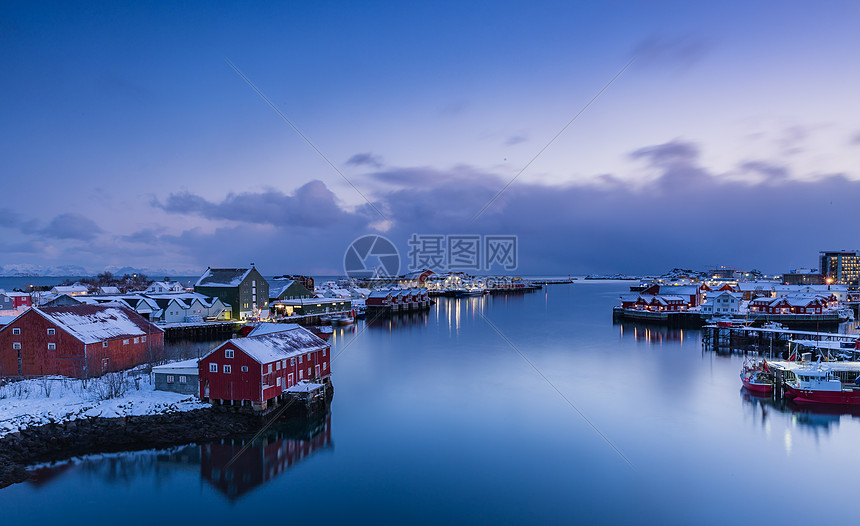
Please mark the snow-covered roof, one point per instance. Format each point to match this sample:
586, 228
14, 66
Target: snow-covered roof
64, 289
183, 367
96, 323
109, 290
304, 387
278, 286
279, 345
269, 328
678, 289
222, 277
380, 294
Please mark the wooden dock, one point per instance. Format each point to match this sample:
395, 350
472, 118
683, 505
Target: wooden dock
772, 342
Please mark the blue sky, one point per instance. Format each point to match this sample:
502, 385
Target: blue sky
128, 139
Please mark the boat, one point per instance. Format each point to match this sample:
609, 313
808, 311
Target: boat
344, 319
323, 332
757, 377
816, 383
326, 319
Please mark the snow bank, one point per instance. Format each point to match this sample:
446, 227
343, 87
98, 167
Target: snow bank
24, 404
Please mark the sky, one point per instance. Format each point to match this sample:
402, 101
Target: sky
607, 137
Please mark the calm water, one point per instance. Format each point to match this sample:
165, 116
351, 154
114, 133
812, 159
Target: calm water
437, 419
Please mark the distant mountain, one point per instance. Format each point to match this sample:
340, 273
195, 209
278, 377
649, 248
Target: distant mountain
23, 270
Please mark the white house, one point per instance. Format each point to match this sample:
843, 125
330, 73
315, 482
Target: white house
160, 287
724, 302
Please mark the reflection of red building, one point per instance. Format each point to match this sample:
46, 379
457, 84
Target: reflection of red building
236, 472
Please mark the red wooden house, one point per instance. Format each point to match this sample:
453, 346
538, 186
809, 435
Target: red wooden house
257, 370
79, 341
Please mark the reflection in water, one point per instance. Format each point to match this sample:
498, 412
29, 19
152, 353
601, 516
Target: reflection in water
816, 419
268, 456
650, 333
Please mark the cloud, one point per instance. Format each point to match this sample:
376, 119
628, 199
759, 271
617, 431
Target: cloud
856, 139
71, 226
365, 159
9, 219
680, 51
312, 205
513, 140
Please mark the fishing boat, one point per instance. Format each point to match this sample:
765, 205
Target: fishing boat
816, 383
344, 319
757, 377
326, 319
323, 332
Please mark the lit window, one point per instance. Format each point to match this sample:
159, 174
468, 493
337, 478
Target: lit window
213, 367
226, 369
16, 331
170, 378
51, 332
16, 345
182, 379
228, 353
52, 346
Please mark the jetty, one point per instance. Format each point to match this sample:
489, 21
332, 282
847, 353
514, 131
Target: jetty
776, 341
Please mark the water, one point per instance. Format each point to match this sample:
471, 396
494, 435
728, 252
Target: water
438, 419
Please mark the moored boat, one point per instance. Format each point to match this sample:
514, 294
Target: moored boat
757, 377
817, 384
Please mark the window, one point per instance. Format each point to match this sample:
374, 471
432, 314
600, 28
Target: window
301, 373
16, 331
226, 369
278, 367
51, 332
104, 344
244, 368
170, 378
309, 371
300, 358
228, 353
182, 379
270, 368
324, 365
52, 346
324, 350
143, 338
125, 342
292, 361
16, 345
137, 340
213, 367
278, 381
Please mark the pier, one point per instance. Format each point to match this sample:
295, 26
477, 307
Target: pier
774, 342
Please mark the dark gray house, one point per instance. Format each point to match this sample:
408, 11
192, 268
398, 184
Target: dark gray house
178, 377
244, 289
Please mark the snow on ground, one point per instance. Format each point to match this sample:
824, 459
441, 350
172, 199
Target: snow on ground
24, 404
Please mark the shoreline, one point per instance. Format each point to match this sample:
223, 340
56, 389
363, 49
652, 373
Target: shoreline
61, 441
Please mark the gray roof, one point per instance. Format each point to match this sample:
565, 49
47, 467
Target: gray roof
223, 277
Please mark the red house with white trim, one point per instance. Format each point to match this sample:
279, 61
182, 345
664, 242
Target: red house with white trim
258, 370
79, 341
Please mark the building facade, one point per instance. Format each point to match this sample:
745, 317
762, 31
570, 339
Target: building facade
841, 268
244, 289
78, 341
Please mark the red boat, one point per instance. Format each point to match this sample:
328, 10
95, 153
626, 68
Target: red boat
757, 377
816, 384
